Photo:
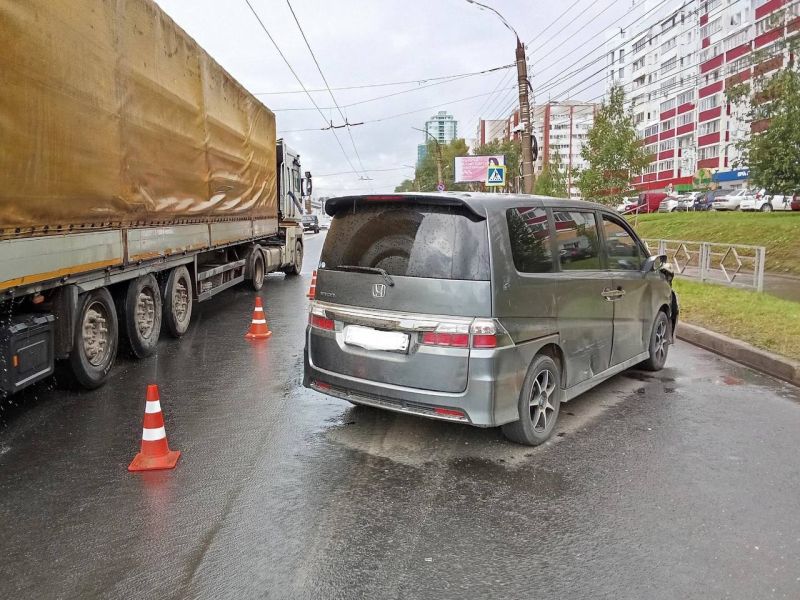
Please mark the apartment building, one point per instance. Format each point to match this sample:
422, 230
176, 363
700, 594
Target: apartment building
675, 69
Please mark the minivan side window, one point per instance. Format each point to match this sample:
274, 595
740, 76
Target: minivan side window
576, 235
529, 235
623, 251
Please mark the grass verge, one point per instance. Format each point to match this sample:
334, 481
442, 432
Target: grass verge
762, 320
779, 232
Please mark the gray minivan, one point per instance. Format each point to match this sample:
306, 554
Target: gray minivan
488, 309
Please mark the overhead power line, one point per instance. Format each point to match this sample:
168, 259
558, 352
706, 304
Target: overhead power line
421, 81
327, 85
297, 77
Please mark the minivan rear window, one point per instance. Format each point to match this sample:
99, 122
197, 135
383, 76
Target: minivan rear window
412, 240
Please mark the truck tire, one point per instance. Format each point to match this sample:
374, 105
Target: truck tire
177, 295
258, 270
95, 340
297, 265
141, 315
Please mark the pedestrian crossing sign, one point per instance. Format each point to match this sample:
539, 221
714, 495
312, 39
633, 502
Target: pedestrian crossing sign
496, 175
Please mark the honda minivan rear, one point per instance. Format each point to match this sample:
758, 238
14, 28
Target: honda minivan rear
404, 299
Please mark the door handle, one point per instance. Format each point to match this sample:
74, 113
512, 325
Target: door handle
612, 295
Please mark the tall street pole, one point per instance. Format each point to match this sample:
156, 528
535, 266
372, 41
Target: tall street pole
525, 117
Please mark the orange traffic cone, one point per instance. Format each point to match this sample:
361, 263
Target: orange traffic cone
312, 291
258, 326
155, 452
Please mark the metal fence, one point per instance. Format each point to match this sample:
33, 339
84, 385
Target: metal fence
735, 265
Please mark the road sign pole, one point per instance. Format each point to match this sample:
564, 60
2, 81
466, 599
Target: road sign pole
525, 118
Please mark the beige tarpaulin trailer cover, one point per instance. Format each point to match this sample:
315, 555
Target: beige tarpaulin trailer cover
112, 116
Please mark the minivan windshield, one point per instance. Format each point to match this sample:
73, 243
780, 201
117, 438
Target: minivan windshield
411, 240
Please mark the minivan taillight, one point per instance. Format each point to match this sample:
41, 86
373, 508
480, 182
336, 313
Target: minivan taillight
484, 333
321, 322
484, 341
453, 340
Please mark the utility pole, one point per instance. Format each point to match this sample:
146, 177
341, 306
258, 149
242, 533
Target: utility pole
525, 117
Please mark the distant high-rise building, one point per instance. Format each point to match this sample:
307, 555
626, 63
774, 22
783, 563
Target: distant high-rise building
422, 152
491, 130
442, 126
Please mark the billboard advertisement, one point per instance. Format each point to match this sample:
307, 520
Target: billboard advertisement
474, 168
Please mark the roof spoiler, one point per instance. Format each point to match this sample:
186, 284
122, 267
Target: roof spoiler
334, 205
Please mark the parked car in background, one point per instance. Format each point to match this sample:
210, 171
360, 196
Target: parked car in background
781, 201
668, 204
310, 223
649, 202
686, 202
628, 205
490, 330
795, 203
705, 200
732, 200
760, 201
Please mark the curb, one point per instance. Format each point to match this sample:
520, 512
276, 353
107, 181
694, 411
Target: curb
741, 352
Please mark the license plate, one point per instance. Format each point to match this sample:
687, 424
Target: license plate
372, 339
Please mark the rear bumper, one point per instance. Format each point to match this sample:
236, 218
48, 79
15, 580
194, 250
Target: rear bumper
490, 398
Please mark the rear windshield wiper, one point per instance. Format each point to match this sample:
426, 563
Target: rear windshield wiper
356, 269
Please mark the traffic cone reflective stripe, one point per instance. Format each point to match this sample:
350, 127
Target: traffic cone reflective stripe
258, 325
155, 452
312, 291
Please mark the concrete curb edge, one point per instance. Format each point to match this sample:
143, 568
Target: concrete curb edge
741, 352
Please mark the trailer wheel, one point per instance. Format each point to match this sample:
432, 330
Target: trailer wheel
258, 272
142, 315
178, 301
95, 343
297, 265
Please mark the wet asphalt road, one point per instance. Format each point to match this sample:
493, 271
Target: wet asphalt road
680, 485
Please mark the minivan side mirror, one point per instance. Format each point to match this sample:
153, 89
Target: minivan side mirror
654, 263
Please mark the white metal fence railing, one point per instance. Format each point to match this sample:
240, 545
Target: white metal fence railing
736, 265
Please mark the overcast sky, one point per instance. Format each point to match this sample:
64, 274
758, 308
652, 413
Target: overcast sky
363, 42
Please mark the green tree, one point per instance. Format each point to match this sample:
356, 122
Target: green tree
426, 175
553, 180
772, 109
511, 150
614, 152
406, 186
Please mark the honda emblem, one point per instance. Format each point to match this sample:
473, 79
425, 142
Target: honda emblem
378, 290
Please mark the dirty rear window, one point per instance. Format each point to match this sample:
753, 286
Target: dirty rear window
413, 240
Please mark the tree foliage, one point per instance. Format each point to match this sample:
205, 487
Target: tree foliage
553, 180
772, 108
614, 152
426, 175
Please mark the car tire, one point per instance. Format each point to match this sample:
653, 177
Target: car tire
767, 207
258, 271
297, 266
660, 339
141, 315
95, 340
538, 405
177, 301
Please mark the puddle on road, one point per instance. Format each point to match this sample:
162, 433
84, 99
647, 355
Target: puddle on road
416, 441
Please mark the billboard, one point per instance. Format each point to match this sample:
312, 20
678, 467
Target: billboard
474, 168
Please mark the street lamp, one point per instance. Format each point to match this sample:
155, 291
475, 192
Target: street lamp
524, 104
438, 153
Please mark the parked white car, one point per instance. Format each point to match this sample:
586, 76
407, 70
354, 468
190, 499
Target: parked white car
668, 204
733, 200
761, 201
778, 202
628, 204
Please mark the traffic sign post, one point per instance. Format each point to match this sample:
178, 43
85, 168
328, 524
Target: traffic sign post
496, 176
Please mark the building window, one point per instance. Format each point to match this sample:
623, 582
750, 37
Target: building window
651, 168
640, 44
685, 142
669, 104
686, 118
736, 40
651, 131
651, 149
666, 145
667, 66
740, 64
685, 97
666, 165
638, 64
667, 125
669, 44
709, 127
668, 84
708, 152
711, 28
709, 102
